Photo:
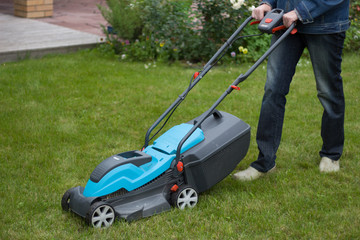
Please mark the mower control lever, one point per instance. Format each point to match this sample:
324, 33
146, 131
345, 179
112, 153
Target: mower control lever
271, 20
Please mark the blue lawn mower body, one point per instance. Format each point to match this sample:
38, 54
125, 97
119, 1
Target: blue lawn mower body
138, 184
186, 160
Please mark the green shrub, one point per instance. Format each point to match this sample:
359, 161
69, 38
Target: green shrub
124, 16
219, 20
165, 28
170, 30
352, 41
169, 27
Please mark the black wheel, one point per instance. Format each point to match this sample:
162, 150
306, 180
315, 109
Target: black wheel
101, 215
185, 197
65, 201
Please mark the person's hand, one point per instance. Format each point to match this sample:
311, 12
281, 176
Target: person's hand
259, 12
289, 18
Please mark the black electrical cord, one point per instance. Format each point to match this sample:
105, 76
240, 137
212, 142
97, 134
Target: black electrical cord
176, 106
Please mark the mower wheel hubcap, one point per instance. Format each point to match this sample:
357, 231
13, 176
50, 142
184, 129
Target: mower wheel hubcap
187, 198
103, 216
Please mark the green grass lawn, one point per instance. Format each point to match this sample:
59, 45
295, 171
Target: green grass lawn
60, 116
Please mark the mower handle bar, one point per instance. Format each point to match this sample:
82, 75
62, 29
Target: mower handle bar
206, 68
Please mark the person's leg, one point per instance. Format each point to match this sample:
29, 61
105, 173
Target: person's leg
325, 52
280, 71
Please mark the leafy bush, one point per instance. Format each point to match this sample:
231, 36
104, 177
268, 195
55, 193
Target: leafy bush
352, 41
168, 25
165, 28
170, 30
124, 17
219, 19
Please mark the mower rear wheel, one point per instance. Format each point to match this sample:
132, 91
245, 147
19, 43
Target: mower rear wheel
101, 215
185, 197
65, 201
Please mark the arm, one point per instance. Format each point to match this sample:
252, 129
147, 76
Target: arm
307, 10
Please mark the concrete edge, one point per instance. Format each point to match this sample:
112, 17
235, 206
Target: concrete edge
14, 56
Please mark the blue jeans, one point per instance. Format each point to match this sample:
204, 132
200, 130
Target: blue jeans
325, 52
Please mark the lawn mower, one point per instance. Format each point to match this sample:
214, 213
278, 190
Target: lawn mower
186, 160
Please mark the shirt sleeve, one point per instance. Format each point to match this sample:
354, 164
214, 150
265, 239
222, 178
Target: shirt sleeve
271, 3
307, 10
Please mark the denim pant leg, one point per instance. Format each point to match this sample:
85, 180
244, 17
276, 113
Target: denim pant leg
280, 71
325, 52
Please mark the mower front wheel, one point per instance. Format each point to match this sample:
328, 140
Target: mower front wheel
101, 215
185, 197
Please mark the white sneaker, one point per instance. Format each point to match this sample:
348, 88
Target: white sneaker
250, 174
328, 165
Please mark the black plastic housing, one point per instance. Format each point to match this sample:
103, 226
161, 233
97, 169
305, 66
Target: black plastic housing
227, 140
